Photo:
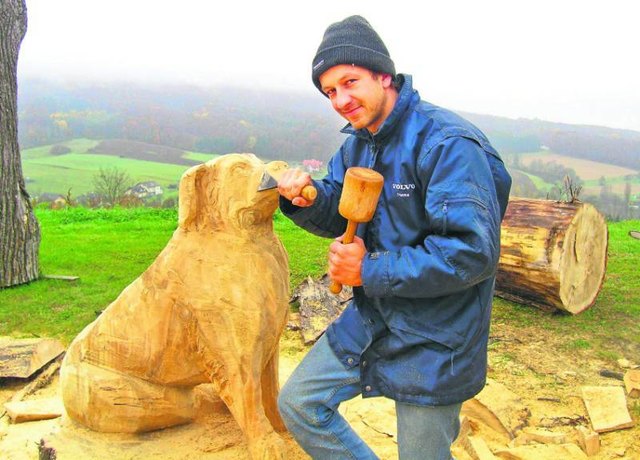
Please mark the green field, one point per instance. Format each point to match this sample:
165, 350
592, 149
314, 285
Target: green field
47, 173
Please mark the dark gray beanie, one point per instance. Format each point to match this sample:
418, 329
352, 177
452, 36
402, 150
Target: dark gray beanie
351, 41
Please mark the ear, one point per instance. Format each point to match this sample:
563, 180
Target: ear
188, 205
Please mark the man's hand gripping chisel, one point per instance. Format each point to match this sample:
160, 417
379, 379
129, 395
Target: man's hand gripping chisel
270, 181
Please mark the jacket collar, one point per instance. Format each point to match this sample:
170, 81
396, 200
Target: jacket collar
389, 124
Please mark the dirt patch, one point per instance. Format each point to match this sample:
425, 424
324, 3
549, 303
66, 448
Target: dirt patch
535, 364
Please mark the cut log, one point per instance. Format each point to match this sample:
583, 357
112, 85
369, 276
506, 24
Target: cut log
21, 358
553, 254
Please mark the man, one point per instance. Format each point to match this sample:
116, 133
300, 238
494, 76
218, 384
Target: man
423, 269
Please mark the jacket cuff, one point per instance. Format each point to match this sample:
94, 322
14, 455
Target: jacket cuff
299, 214
375, 274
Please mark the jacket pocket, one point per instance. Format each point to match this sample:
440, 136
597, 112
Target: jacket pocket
454, 203
428, 334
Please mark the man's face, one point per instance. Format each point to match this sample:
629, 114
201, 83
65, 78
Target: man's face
358, 95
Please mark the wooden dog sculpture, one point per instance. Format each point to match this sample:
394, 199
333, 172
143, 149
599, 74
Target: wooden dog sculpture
210, 309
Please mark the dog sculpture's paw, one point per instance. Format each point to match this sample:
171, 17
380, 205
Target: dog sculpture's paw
269, 447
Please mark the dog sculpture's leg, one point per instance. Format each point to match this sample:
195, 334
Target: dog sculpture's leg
270, 389
242, 394
108, 401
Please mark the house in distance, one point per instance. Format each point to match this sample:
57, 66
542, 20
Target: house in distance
145, 190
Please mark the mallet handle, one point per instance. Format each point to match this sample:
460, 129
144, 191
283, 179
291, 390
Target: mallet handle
352, 226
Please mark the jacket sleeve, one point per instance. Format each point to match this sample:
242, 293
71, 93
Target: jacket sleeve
463, 244
322, 218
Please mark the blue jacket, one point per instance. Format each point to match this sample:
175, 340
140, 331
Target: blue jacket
418, 327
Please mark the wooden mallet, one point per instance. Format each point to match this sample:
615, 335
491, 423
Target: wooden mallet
360, 193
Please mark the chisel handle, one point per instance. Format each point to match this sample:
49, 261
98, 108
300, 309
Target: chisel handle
309, 193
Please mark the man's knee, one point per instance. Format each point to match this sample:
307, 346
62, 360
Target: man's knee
284, 402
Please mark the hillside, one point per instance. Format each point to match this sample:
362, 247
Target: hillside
187, 118
68, 132
272, 124
605, 145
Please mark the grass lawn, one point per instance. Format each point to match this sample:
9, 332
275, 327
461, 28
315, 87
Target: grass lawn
108, 249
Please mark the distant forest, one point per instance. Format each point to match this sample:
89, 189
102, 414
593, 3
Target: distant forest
271, 124
221, 120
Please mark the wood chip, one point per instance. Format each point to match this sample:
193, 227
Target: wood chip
545, 436
478, 449
589, 440
499, 408
607, 408
543, 452
632, 383
34, 409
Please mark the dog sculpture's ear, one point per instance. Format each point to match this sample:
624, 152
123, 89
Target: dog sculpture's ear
188, 205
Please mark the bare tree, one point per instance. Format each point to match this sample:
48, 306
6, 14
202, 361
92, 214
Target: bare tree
111, 183
19, 230
571, 189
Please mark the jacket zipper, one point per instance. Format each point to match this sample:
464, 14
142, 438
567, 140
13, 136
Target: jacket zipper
374, 154
445, 209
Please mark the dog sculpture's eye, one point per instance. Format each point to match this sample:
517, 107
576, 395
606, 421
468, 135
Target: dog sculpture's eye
241, 169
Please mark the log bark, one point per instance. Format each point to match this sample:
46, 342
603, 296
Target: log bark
319, 307
553, 254
19, 231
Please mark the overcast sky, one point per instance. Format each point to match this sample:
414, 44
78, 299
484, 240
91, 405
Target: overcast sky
559, 60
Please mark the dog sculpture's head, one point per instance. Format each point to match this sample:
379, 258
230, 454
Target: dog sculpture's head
222, 194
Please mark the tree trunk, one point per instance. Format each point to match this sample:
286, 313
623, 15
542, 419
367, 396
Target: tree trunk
19, 231
553, 254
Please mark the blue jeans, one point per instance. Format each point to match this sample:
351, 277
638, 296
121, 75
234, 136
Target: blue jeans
309, 402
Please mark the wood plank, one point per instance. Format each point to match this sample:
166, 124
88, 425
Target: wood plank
607, 408
21, 358
61, 277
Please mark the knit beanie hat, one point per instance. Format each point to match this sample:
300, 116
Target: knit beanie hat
351, 41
